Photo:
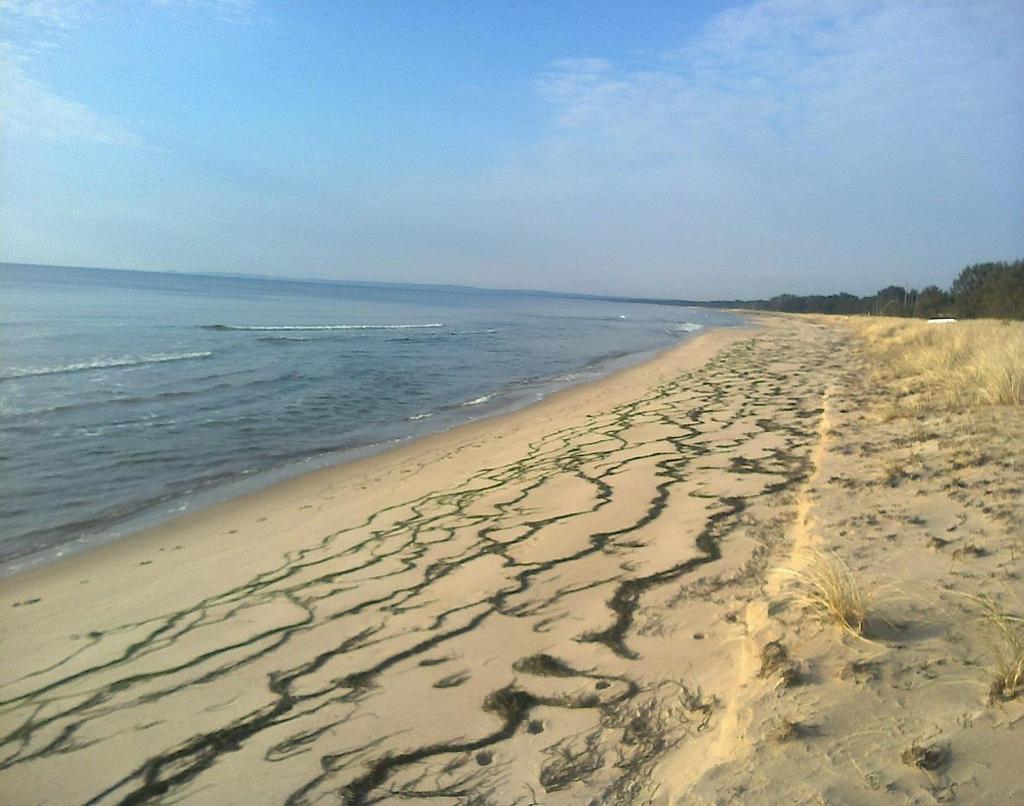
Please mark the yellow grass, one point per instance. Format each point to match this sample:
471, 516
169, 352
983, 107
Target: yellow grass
968, 363
825, 585
1006, 644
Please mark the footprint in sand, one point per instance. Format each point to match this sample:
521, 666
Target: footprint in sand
32, 601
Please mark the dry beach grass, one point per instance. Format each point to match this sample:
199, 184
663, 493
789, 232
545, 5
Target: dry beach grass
968, 363
825, 585
1005, 636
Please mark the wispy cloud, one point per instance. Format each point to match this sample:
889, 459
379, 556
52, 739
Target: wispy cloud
238, 11
804, 77
787, 146
66, 13
54, 13
29, 108
789, 130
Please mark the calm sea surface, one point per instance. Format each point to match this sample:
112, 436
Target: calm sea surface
126, 397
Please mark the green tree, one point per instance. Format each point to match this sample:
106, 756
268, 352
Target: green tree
931, 301
990, 289
893, 300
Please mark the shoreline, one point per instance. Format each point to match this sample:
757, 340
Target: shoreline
576, 602
177, 632
366, 457
175, 506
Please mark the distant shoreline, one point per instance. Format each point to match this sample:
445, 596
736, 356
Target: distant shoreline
625, 299
993, 289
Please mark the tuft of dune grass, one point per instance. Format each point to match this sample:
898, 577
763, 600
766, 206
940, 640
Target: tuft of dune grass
969, 363
1005, 637
826, 586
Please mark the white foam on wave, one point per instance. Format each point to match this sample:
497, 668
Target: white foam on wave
422, 416
274, 328
10, 373
688, 327
477, 401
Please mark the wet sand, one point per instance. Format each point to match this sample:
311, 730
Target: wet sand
560, 605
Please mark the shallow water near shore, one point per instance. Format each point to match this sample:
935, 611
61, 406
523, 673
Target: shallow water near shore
128, 397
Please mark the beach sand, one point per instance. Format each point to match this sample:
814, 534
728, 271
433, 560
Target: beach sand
567, 604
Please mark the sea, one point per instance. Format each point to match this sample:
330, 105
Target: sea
129, 397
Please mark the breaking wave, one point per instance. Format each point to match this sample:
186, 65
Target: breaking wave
477, 400
10, 373
271, 328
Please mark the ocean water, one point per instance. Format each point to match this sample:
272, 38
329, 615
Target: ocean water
127, 397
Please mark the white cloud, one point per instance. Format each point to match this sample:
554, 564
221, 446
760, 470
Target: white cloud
54, 13
29, 108
787, 146
67, 13
229, 10
791, 132
802, 74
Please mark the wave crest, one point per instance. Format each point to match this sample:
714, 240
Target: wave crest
11, 373
272, 328
477, 400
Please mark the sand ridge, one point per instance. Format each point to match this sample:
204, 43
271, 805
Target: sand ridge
926, 508
549, 608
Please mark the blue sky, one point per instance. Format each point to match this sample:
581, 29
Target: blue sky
692, 149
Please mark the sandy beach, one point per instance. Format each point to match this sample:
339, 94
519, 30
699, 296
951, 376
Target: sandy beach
566, 604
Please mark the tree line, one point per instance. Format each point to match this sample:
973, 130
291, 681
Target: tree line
985, 290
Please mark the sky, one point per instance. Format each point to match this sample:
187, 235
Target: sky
692, 150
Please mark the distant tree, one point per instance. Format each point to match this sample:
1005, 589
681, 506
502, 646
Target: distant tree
972, 278
990, 289
893, 300
984, 289
1003, 294
846, 303
931, 301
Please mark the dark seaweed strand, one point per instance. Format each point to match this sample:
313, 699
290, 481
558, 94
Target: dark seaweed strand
553, 455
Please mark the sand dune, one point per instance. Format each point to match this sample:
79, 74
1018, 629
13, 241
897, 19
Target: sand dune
563, 605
